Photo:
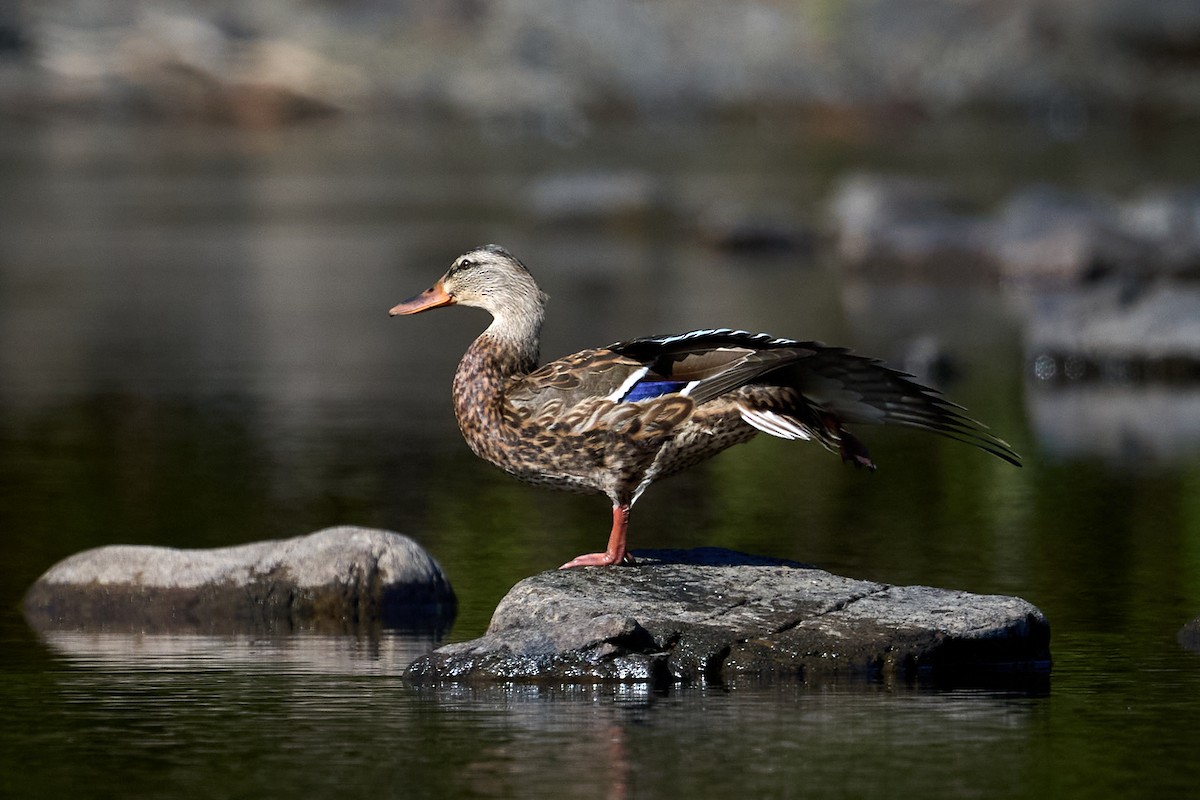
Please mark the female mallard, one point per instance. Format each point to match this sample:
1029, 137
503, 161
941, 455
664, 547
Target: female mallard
615, 419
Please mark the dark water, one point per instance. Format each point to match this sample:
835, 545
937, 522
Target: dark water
194, 351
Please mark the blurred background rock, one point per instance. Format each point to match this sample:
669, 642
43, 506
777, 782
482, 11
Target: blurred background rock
276, 61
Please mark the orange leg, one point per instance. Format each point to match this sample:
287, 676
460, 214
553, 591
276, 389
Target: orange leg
615, 554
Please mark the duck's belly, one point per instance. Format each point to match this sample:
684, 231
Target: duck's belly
609, 463
568, 461
699, 439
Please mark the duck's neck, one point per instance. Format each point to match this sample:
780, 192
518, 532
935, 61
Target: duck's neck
517, 333
507, 349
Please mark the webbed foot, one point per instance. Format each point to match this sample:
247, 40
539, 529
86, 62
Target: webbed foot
598, 560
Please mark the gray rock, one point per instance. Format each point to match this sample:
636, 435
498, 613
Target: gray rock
335, 579
715, 616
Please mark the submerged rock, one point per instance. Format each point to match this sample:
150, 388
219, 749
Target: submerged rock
715, 616
335, 579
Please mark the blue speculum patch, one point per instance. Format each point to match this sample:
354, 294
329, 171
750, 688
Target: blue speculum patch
648, 389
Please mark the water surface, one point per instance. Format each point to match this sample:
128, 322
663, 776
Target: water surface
195, 351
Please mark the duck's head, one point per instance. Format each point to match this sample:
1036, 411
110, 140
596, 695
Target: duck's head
488, 277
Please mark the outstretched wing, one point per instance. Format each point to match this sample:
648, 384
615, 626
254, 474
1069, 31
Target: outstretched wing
816, 385
863, 390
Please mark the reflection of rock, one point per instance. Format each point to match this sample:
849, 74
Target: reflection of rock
712, 615
335, 579
385, 653
1122, 424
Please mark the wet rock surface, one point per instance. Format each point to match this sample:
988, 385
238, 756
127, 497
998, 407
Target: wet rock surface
336, 579
715, 616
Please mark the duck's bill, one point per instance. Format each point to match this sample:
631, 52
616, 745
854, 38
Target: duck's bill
430, 298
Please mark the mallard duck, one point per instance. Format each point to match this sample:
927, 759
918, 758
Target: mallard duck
614, 419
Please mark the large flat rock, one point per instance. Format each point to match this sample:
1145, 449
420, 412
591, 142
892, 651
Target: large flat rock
715, 616
335, 579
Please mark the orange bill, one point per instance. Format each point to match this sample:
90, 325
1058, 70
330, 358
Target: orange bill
430, 298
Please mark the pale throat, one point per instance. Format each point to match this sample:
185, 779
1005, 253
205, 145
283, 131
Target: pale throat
518, 331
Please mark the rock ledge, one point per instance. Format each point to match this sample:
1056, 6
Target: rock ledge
715, 616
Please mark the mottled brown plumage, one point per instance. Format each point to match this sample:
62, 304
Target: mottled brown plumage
615, 419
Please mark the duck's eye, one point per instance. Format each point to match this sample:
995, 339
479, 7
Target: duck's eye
461, 264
